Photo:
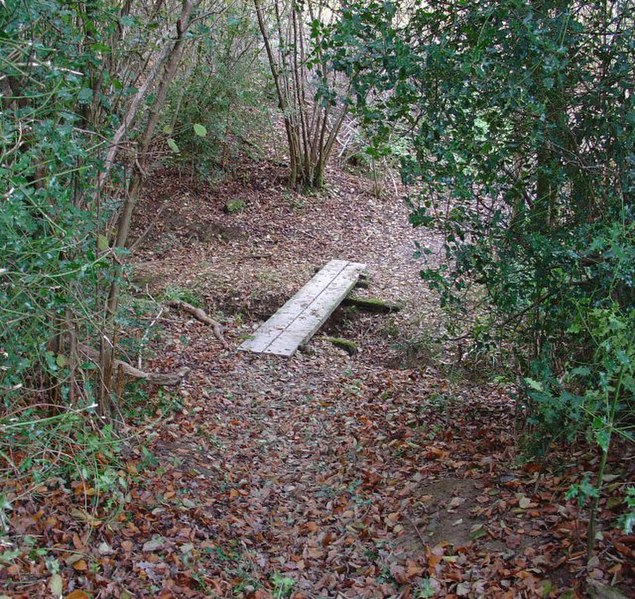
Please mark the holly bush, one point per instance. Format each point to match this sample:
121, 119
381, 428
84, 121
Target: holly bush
520, 117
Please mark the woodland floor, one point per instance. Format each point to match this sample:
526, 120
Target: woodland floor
326, 475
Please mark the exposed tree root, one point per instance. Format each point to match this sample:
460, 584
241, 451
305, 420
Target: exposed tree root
202, 316
123, 369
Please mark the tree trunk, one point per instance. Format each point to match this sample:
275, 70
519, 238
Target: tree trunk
108, 345
310, 128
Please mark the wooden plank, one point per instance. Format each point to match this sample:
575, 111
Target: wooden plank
298, 320
295, 307
305, 325
271, 329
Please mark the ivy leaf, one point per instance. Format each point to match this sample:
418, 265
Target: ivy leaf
603, 439
85, 95
535, 385
102, 243
5, 504
127, 21
200, 130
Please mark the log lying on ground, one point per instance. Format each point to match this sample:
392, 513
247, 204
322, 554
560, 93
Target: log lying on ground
371, 304
202, 316
350, 347
363, 282
164, 379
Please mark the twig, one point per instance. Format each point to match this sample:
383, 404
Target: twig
135, 244
421, 537
147, 333
202, 316
256, 256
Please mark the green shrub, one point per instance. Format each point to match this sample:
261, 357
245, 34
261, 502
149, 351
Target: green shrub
524, 163
219, 104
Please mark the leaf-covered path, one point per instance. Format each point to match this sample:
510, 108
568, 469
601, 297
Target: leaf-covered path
334, 475
330, 477
345, 480
326, 475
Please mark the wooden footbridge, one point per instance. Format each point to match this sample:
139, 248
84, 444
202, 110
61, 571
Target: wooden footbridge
298, 320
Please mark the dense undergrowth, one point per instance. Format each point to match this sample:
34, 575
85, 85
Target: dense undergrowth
522, 153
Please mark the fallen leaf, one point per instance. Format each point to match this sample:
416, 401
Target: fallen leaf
85, 517
524, 502
56, 585
105, 549
80, 565
478, 531
456, 502
155, 544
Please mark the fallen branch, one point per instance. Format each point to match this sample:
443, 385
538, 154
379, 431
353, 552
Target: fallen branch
202, 316
165, 379
255, 256
371, 304
412, 523
350, 347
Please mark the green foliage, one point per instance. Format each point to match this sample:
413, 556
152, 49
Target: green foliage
583, 490
69, 446
234, 205
173, 293
68, 72
521, 119
219, 103
596, 389
282, 586
137, 406
55, 263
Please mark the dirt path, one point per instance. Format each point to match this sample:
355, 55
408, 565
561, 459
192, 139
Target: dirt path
253, 260
326, 471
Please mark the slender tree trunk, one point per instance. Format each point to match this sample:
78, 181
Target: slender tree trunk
123, 229
311, 130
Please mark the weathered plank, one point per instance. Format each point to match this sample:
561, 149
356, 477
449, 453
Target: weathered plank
298, 320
